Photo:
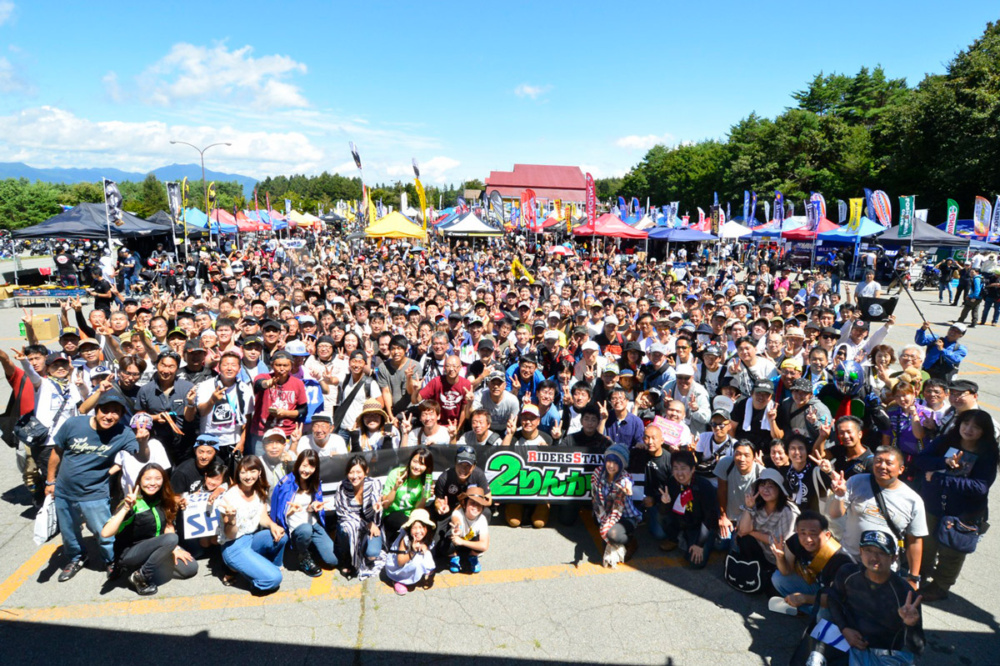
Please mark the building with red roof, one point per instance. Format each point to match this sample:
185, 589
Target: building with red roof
549, 182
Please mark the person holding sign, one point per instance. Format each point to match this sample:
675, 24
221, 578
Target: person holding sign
252, 543
145, 538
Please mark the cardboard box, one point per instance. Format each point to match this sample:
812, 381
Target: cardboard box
46, 326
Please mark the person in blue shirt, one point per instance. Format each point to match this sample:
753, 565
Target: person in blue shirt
943, 354
657, 373
83, 450
973, 298
524, 377
622, 426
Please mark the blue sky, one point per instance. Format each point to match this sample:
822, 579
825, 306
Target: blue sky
464, 88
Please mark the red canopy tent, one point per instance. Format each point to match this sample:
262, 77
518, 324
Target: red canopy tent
609, 225
803, 234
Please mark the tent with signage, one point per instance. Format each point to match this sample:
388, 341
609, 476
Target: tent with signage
805, 234
469, 226
925, 237
88, 221
162, 218
610, 226
867, 227
680, 235
395, 225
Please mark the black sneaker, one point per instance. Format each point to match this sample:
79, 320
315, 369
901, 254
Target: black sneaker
114, 570
144, 587
309, 568
72, 569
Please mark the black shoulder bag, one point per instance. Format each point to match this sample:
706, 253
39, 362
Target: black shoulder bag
10, 415
880, 501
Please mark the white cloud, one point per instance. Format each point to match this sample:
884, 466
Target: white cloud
49, 136
604, 170
112, 87
6, 9
644, 142
190, 72
528, 90
10, 80
434, 170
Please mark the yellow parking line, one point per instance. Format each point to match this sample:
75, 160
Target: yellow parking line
26, 570
321, 589
983, 365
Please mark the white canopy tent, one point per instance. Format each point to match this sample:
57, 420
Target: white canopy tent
733, 229
471, 225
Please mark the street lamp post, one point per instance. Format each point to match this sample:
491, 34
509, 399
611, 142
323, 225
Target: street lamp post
204, 183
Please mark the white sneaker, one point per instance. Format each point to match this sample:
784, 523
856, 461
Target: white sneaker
779, 605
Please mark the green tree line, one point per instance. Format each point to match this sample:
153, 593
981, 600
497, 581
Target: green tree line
937, 140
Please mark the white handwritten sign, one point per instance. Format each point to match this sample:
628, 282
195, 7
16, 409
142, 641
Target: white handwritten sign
200, 518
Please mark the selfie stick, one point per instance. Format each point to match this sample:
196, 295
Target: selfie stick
907, 290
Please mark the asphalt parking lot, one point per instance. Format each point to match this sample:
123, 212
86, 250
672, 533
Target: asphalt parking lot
541, 597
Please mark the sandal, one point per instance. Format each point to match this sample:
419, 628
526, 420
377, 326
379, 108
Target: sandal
229, 580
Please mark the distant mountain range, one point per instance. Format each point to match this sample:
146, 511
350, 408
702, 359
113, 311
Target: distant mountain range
165, 173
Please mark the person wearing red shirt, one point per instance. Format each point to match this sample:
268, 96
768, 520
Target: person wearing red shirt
280, 401
18, 381
449, 390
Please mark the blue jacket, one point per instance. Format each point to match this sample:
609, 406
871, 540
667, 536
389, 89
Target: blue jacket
952, 354
283, 494
976, 288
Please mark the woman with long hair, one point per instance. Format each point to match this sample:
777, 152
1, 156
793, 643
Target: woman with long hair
958, 469
358, 504
252, 543
407, 488
297, 505
145, 537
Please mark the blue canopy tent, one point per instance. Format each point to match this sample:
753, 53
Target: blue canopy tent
843, 234
774, 229
983, 247
680, 235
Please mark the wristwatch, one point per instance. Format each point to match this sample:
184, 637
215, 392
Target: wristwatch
913, 578
50, 483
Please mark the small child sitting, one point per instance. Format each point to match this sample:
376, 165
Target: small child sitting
411, 559
470, 531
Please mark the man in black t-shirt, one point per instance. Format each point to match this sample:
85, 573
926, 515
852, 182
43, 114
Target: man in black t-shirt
453, 482
102, 291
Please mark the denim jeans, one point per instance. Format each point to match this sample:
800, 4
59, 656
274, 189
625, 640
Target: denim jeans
942, 287
858, 657
315, 535
654, 521
792, 583
72, 515
257, 558
372, 549
990, 303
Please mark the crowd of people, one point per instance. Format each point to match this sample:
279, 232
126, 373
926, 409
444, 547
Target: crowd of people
742, 407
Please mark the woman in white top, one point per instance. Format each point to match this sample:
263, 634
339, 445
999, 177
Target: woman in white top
150, 451
372, 430
252, 543
297, 505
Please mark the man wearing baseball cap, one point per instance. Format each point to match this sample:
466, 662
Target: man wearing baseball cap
453, 482
877, 613
83, 450
944, 354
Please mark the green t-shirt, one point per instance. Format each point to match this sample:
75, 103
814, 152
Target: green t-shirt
409, 494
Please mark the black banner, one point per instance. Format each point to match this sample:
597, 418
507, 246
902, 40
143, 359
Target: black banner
523, 474
877, 309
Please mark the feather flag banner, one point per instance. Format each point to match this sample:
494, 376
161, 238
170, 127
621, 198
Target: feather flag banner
869, 207
816, 196
746, 205
883, 208
421, 197
952, 216
767, 211
813, 214
854, 221
355, 155
591, 200
841, 211
701, 216
779, 209
906, 205
981, 215
112, 204
753, 210
622, 208
496, 207
995, 222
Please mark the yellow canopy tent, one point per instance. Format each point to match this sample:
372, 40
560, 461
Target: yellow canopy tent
309, 220
395, 225
299, 219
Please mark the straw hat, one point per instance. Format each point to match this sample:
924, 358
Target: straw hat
420, 516
371, 406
